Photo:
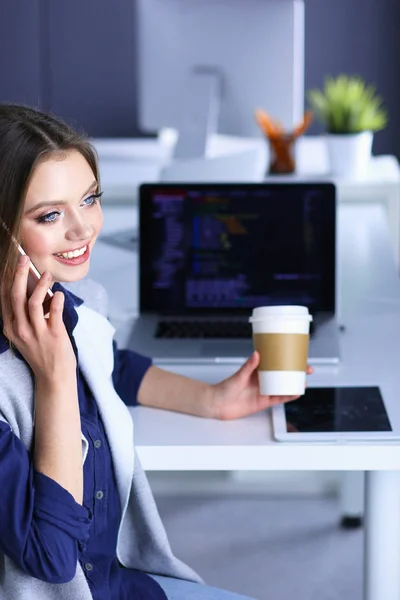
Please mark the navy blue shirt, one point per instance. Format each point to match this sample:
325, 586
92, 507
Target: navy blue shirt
42, 528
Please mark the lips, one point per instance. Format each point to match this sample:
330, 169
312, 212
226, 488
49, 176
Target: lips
73, 249
78, 260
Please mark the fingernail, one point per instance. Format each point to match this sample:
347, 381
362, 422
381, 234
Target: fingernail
23, 261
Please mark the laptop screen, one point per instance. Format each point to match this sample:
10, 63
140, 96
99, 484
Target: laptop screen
236, 246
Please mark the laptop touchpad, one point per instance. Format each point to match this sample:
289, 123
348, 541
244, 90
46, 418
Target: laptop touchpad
231, 348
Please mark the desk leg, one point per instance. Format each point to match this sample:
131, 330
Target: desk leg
382, 536
352, 498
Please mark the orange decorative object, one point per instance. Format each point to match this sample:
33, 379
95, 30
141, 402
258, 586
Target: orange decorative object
282, 143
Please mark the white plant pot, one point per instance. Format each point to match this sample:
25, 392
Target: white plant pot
349, 154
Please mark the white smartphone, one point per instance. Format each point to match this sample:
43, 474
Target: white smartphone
33, 278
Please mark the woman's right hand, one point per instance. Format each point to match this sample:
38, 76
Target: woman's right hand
44, 343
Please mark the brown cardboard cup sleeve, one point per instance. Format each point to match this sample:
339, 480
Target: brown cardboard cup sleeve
282, 351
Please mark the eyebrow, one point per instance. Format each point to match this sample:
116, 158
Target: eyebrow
59, 202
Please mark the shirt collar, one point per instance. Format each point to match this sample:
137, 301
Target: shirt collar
70, 316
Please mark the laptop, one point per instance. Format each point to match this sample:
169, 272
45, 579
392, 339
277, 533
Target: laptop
210, 253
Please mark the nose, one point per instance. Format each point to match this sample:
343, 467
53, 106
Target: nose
79, 229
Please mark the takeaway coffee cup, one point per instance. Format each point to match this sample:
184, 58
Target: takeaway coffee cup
281, 336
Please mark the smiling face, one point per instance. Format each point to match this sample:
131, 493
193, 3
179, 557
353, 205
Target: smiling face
62, 215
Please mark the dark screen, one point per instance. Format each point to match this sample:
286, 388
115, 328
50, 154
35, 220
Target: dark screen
237, 246
338, 409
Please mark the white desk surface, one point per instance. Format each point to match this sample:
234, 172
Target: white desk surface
370, 346
125, 163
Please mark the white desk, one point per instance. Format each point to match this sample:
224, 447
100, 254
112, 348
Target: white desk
126, 163
370, 309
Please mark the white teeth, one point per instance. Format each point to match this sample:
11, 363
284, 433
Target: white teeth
73, 254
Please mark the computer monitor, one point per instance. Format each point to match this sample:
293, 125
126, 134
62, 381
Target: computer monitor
204, 66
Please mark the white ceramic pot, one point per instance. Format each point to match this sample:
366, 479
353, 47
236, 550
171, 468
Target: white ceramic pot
349, 154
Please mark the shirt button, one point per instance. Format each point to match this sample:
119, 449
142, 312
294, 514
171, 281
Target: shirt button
88, 566
97, 444
99, 495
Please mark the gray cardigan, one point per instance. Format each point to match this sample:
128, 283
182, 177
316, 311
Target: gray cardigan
142, 541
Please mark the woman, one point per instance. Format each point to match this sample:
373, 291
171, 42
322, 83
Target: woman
77, 518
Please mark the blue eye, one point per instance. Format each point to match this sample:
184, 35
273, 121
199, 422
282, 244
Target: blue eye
93, 198
52, 217
49, 218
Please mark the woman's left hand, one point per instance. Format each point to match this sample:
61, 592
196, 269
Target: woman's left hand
239, 395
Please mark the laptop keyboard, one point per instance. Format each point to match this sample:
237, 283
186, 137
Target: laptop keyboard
196, 329
203, 329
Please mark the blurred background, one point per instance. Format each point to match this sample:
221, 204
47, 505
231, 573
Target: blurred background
80, 58
267, 535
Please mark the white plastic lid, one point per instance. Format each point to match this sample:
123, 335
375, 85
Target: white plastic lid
288, 311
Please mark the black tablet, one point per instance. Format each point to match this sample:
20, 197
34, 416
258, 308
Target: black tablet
334, 414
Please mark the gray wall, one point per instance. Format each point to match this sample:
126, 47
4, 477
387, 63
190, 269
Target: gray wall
78, 57
20, 51
360, 37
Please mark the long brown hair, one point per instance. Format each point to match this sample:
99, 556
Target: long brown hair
27, 137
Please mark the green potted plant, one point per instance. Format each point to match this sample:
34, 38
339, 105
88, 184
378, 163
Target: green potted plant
351, 112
